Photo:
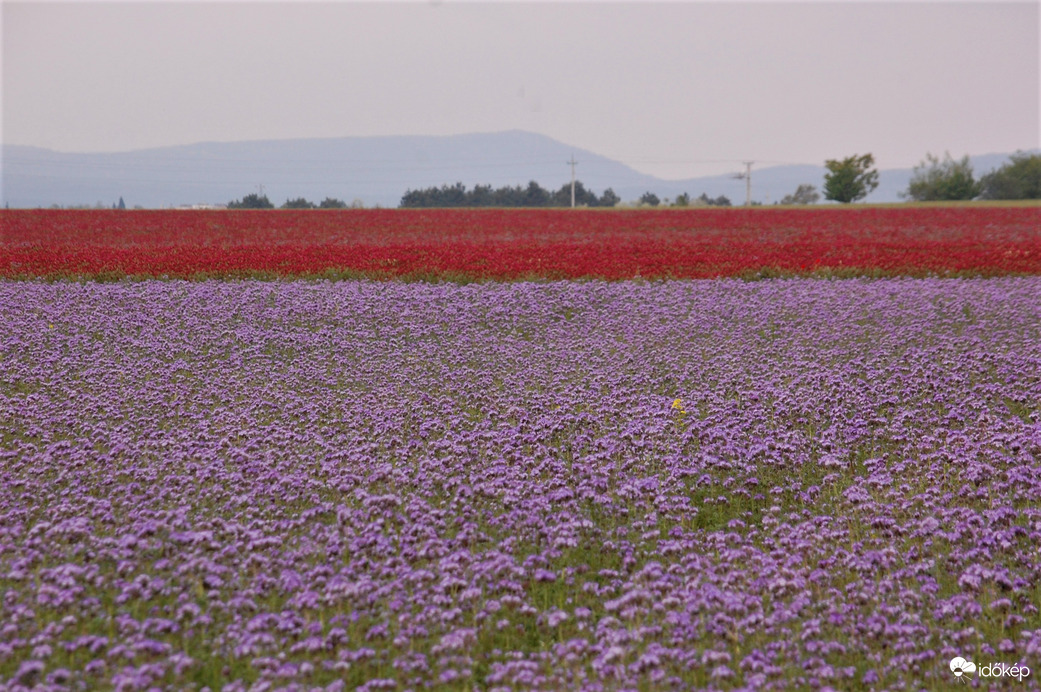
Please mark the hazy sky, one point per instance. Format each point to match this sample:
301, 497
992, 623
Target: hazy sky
676, 89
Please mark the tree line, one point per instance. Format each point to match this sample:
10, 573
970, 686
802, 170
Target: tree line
255, 201
534, 195
847, 180
938, 180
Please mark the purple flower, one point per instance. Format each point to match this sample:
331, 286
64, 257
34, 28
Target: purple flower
415, 484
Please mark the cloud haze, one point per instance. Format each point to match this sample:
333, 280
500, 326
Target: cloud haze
674, 89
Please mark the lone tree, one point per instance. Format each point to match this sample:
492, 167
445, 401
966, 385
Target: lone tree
332, 203
850, 179
804, 194
650, 199
1020, 178
934, 180
252, 201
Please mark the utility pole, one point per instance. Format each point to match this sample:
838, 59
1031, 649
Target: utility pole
573, 164
747, 177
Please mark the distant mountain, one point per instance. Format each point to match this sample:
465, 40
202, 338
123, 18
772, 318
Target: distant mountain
374, 170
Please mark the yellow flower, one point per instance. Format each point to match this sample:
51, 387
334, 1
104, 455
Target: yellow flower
678, 406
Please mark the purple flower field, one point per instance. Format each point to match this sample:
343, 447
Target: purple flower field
700, 484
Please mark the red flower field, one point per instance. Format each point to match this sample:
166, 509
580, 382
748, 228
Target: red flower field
512, 244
